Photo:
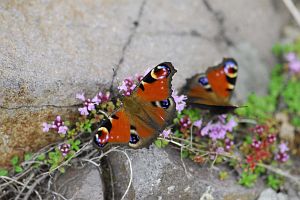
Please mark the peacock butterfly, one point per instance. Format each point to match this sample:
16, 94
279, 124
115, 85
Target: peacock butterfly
212, 90
143, 114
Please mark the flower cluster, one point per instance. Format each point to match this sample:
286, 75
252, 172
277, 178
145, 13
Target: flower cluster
89, 105
179, 100
101, 98
217, 130
57, 125
127, 86
228, 144
64, 148
185, 122
260, 149
293, 62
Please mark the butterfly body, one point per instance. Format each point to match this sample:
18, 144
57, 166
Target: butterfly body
143, 114
212, 90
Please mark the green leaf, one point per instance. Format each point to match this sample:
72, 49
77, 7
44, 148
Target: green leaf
62, 170
52, 155
53, 167
248, 139
248, 179
277, 49
164, 143
184, 153
15, 160
41, 157
258, 107
77, 142
3, 172
161, 143
18, 169
158, 143
194, 114
291, 96
273, 182
259, 170
296, 121
27, 156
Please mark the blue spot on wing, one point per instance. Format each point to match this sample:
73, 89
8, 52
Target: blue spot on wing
203, 81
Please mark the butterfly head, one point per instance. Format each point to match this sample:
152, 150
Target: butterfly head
230, 67
160, 72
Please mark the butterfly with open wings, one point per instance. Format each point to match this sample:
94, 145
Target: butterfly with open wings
143, 114
212, 90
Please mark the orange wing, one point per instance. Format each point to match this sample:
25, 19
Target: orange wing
213, 89
156, 85
115, 129
144, 114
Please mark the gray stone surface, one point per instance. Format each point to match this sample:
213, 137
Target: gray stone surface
269, 194
57, 48
81, 184
160, 174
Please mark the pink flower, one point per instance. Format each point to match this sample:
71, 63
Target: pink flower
185, 122
283, 147
198, 123
166, 133
214, 131
46, 127
127, 87
220, 150
256, 144
206, 129
219, 129
83, 111
64, 149
101, 98
230, 125
290, 57
293, 62
179, 101
57, 125
217, 132
222, 118
88, 105
80, 96
282, 157
228, 144
271, 138
294, 66
259, 129
62, 129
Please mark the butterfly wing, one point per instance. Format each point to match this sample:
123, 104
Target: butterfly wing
212, 90
144, 114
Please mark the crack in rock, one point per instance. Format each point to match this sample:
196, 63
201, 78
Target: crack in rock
220, 20
128, 42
